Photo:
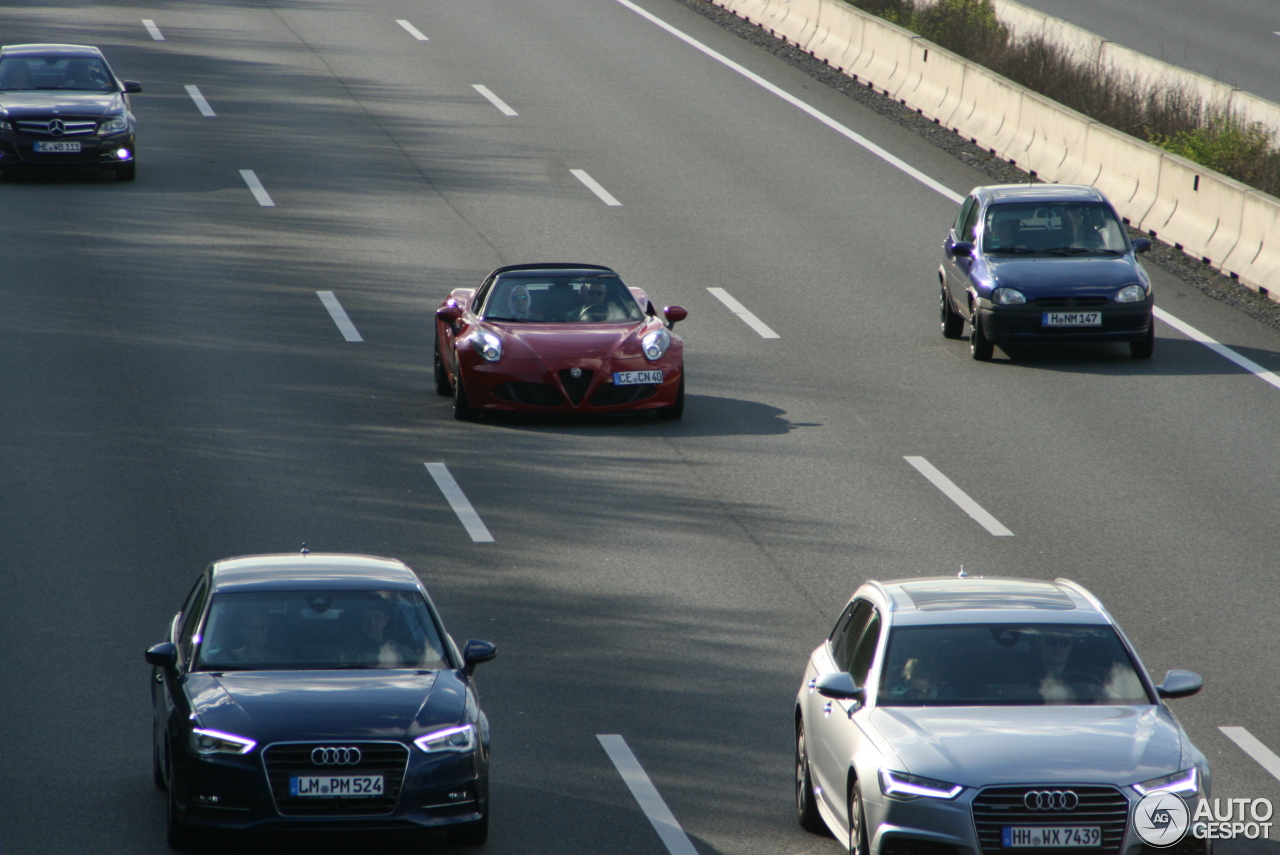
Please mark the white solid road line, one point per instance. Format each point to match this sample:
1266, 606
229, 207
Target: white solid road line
458, 501
339, 315
413, 31
259, 192
201, 104
650, 800
741, 311
960, 497
1250, 745
594, 187
1218, 348
494, 100
152, 29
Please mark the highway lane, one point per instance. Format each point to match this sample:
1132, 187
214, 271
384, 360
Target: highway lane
229, 414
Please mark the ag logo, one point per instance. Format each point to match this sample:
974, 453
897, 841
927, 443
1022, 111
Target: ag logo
1161, 819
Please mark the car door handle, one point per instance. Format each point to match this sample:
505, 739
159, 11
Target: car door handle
813, 685
826, 708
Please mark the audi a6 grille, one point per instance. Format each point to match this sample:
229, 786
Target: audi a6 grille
1103, 807
283, 761
58, 128
535, 394
1070, 302
610, 395
575, 387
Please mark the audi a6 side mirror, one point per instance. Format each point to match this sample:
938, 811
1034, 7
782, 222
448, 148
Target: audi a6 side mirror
163, 656
674, 314
1179, 684
132, 86
962, 248
840, 686
1141, 244
449, 314
475, 652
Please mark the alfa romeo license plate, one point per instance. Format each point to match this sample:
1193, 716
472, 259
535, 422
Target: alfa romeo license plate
1071, 319
1051, 836
636, 378
58, 146
331, 786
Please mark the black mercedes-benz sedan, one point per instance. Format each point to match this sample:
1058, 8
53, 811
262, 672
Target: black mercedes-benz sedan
317, 691
61, 105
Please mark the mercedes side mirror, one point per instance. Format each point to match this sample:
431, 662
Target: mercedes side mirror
1179, 684
674, 314
163, 656
475, 652
840, 686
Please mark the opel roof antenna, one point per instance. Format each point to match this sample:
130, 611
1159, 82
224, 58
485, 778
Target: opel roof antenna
960, 575
306, 551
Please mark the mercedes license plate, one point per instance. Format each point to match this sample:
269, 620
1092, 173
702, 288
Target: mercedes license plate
331, 786
636, 378
1051, 836
1071, 319
58, 146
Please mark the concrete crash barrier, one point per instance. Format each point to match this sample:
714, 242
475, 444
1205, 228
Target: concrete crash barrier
1196, 209
1129, 174
838, 38
795, 21
885, 56
935, 82
1256, 256
975, 118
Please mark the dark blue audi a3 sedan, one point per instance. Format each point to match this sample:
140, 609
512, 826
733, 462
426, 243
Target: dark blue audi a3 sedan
317, 691
1044, 262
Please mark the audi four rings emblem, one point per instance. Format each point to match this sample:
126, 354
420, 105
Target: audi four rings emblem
335, 756
1051, 800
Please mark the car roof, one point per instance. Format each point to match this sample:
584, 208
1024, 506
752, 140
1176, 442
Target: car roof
1048, 193
68, 50
308, 571
534, 269
978, 599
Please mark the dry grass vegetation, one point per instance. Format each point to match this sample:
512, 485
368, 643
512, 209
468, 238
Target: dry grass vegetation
1170, 117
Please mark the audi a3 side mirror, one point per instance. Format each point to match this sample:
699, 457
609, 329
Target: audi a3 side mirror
1141, 244
163, 656
1180, 684
475, 652
132, 86
840, 686
674, 314
962, 248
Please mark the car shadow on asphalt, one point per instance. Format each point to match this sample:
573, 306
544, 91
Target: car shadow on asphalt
1173, 357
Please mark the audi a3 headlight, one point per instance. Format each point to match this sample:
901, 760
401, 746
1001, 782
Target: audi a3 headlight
114, 125
1184, 783
205, 741
1008, 297
900, 785
488, 345
459, 740
655, 344
1131, 294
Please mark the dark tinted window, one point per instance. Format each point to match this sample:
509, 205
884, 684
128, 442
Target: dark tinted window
1067, 228
79, 73
848, 631
967, 220
560, 297
865, 651
190, 619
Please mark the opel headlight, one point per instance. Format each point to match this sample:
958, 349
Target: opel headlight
488, 345
1131, 294
1008, 297
900, 785
459, 740
655, 344
114, 125
1184, 783
205, 741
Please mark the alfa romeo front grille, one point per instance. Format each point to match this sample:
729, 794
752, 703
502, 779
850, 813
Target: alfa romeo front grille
286, 760
1103, 807
575, 387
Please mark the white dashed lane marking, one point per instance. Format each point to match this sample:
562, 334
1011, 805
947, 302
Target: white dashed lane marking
458, 501
153, 29
741, 311
413, 31
960, 497
1219, 348
647, 795
259, 192
339, 315
594, 187
201, 104
494, 100
1251, 745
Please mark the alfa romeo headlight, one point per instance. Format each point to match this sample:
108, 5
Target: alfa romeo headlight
114, 125
488, 345
1184, 783
1008, 297
205, 741
655, 344
459, 740
1131, 294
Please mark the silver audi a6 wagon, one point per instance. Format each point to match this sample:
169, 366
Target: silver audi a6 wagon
972, 716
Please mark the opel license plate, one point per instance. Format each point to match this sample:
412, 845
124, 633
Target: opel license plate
1071, 319
1051, 836
335, 786
58, 146
636, 378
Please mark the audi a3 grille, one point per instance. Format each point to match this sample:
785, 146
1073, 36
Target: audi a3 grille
283, 761
58, 128
1103, 807
575, 387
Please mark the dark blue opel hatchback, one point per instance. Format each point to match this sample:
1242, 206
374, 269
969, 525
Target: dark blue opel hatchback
1044, 262
319, 692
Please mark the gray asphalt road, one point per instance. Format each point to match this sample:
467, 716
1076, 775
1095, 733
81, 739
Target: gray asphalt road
1233, 41
176, 392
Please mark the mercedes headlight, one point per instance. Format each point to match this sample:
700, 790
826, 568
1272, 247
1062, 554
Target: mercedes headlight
114, 125
488, 345
459, 740
655, 344
1184, 783
1131, 294
1008, 297
5, 126
900, 785
205, 741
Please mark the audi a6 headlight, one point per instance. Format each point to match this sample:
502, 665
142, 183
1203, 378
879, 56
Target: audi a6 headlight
114, 125
1131, 294
205, 741
1184, 783
459, 740
488, 345
1008, 297
900, 785
655, 344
